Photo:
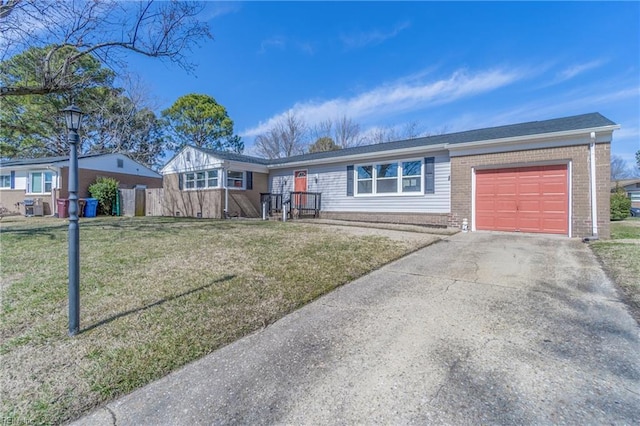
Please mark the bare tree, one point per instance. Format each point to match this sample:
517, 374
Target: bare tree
285, 139
343, 130
619, 169
347, 132
61, 33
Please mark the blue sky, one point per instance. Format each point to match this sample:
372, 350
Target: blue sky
448, 66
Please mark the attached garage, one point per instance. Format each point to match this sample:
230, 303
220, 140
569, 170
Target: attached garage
523, 199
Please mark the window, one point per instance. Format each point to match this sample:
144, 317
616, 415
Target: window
212, 179
365, 179
5, 181
200, 180
404, 177
205, 179
40, 182
411, 176
190, 181
235, 179
387, 178
120, 163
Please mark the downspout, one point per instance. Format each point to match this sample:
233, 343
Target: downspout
54, 206
594, 201
226, 192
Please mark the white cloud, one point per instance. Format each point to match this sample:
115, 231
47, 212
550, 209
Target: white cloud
401, 96
277, 42
282, 42
575, 70
361, 39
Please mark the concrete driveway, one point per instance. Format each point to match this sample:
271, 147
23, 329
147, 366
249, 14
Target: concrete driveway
478, 328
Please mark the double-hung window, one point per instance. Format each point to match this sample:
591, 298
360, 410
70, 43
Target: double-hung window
5, 181
212, 179
387, 178
412, 176
235, 179
40, 182
365, 179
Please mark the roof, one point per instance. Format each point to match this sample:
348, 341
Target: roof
584, 121
232, 156
624, 182
42, 160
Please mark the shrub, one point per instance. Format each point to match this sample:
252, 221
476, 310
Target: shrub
620, 205
105, 190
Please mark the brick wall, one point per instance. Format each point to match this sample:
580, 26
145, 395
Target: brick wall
424, 219
86, 177
208, 202
581, 199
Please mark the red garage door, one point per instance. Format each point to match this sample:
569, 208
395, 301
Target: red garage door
525, 199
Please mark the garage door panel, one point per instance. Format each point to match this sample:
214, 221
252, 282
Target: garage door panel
530, 199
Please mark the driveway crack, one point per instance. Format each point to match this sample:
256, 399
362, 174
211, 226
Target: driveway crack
113, 415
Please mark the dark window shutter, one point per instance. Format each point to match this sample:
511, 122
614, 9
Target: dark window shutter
349, 181
249, 180
180, 181
13, 180
429, 175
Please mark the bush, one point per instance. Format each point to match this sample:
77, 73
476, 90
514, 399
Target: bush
105, 190
620, 205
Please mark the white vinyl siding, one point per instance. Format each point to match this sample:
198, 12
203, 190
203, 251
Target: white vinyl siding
332, 183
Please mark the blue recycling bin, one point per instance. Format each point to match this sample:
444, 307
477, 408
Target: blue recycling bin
91, 208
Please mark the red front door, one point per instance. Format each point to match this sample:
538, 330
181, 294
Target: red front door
300, 185
524, 199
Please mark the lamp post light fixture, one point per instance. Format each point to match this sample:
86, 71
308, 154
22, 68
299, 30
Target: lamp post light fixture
73, 118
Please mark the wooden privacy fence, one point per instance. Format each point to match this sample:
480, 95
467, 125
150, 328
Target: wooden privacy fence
154, 202
132, 202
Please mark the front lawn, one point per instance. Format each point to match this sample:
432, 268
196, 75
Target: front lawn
620, 257
156, 293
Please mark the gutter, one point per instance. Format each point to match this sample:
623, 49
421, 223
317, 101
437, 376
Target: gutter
528, 138
358, 157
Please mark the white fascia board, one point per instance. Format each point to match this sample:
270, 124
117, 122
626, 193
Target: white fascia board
361, 157
245, 167
198, 160
542, 140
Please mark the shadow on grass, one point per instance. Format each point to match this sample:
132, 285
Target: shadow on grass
156, 303
154, 224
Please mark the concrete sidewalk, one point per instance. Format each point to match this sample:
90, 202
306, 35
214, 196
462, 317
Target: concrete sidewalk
479, 328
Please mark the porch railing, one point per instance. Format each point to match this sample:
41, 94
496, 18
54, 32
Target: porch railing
299, 204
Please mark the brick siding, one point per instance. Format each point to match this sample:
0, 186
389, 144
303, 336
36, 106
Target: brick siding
424, 219
580, 198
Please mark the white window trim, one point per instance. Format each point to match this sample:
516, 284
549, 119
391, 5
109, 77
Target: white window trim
29, 180
399, 178
236, 188
206, 180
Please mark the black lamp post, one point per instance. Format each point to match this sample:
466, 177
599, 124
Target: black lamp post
73, 117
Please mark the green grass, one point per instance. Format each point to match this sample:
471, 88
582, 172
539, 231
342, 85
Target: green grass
156, 293
621, 260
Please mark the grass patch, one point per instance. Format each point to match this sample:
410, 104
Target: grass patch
622, 260
156, 293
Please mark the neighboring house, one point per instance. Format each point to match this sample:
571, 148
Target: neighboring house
631, 187
47, 178
547, 176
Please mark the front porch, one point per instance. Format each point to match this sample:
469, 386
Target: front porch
297, 205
